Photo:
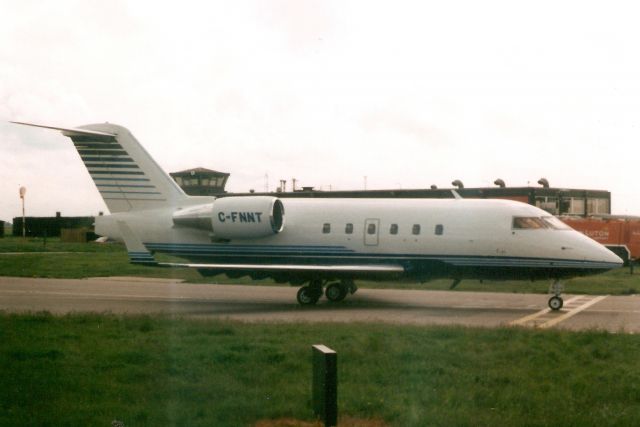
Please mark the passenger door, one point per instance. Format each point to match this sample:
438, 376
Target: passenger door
371, 231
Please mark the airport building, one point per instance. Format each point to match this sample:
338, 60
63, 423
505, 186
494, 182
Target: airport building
588, 211
201, 181
556, 201
51, 226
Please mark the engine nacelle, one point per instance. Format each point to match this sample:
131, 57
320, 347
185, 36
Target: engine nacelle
250, 217
247, 217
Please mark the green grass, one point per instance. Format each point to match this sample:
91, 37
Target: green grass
79, 260
91, 369
53, 244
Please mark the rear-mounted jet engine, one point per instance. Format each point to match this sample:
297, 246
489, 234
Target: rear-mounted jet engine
249, 217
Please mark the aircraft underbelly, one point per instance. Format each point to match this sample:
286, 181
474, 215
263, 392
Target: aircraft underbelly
421, 266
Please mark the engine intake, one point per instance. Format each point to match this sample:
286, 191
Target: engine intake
249, 217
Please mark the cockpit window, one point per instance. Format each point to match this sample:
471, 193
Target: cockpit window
528, 223
538, 223
555, 223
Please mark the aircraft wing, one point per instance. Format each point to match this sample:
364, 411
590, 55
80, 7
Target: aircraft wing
293, 268
139, 254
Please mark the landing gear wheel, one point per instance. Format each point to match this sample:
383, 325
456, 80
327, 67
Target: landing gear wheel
555, 303
349, 286
336, 292
308, 296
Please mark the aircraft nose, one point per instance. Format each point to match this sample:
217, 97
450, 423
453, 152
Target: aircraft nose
605, 255
613, 258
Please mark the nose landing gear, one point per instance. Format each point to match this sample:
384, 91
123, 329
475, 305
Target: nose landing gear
556, 302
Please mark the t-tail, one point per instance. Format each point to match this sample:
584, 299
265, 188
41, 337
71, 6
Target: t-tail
126, 176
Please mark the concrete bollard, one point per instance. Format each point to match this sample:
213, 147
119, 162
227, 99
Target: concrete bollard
324, 390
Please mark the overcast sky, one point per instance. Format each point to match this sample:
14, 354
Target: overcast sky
408, 94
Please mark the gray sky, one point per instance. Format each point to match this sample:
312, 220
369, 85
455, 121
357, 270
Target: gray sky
408, 94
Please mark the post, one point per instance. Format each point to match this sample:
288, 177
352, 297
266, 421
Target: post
23, 192
325, 384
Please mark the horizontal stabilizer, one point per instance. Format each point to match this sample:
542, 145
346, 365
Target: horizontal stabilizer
69, 131
138, 253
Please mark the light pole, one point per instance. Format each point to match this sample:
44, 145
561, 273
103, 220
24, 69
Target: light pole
23, 191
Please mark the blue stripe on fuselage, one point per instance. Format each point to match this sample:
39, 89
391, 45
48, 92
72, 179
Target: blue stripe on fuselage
341, 254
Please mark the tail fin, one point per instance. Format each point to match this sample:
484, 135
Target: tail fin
127, 178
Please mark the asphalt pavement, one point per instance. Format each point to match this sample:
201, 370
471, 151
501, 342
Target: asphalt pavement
252, 303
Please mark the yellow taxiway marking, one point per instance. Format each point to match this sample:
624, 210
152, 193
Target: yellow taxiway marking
573, 312
540, 313
547, 318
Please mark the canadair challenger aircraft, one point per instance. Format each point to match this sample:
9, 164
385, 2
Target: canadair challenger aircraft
323, 245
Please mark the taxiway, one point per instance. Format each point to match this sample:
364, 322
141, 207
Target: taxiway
277, 304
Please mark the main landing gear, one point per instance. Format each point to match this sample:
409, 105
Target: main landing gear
335, 292
556, 302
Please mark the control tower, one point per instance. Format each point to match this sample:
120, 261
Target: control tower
201, 181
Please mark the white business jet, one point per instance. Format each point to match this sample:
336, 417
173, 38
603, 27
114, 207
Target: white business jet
323, 245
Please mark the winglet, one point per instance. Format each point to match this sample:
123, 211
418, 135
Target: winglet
138, 252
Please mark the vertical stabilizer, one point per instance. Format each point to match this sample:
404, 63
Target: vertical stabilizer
126, 176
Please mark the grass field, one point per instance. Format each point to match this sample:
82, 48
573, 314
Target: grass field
142, 370
91, 370
78, 260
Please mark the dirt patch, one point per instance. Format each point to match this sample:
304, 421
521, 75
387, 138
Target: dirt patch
342, 422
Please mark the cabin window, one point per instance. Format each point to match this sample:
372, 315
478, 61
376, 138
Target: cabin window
439, 229
326, 228
348, 229
393, 229
415, 229
371, 229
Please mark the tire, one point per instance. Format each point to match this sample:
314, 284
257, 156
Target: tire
307, 296
335, 292
555, 303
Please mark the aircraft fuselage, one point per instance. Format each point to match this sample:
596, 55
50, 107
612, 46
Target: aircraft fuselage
429, 238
